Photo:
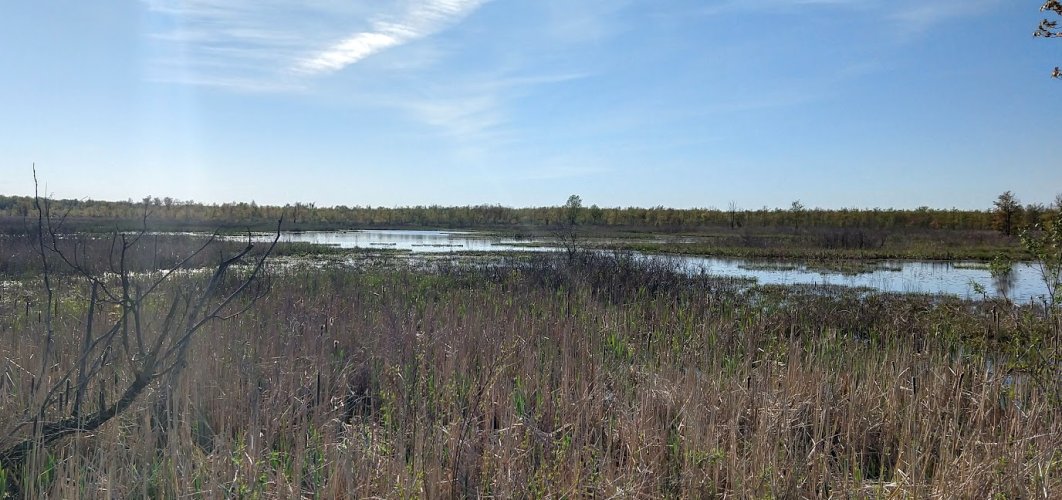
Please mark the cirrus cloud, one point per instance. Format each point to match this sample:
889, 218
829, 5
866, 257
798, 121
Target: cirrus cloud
259, 45
422, 19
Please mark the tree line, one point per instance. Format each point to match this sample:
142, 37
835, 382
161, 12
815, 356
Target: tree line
497, 216
1010, 217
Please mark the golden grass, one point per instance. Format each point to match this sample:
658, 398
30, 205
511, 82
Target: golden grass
596, 378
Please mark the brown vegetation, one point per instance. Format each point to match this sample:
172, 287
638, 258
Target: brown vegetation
598, 375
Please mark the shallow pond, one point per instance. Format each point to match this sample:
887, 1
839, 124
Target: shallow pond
953, 278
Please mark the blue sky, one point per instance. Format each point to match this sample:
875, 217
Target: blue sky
837, 103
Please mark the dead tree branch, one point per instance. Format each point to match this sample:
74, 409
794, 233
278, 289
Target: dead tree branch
125, 332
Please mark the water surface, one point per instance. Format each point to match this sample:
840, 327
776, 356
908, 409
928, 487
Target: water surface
410, 240
952, 278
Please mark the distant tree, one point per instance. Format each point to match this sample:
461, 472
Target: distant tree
596, 214
572, 209
796, 210
1057, 205
732, 211
1033, 213
1049, 28
1007, 214
568, 237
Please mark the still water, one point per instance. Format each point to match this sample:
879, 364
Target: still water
953, 278
413, 241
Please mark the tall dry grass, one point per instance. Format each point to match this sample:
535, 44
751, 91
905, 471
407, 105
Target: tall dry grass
597, 376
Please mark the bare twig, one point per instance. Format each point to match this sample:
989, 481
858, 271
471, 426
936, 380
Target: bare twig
150, 351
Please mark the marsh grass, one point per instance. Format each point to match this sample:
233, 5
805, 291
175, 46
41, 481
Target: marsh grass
595, 375
822, 244
19, 256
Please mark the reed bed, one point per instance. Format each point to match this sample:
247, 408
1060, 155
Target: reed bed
590, 376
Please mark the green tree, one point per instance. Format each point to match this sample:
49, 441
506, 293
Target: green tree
572, 209
596, 214
796, 210
568, 237
1007, 214
1045, 246
1033, 213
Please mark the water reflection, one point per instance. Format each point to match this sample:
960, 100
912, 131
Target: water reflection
412, 241
1023, 284
1004, 283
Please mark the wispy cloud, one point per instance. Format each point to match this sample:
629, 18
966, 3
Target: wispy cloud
917, 17
422, 19
728, 6
470, 118
471, 110
907, 16
280, 45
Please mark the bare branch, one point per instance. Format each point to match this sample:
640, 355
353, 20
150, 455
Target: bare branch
169, 341
49, 333
1049, 28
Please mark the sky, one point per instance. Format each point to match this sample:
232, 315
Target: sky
701, 103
